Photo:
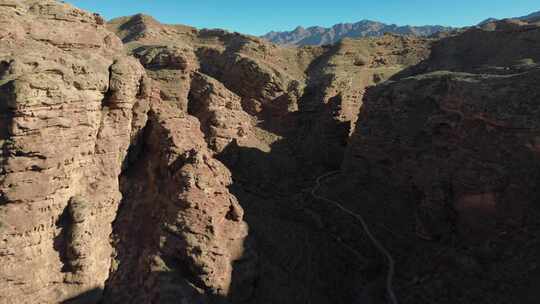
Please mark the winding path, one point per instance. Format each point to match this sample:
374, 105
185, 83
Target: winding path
374, 240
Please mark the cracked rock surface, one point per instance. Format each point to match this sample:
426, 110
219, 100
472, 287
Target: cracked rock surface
72, 106
151, 163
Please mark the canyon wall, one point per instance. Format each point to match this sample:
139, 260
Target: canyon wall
303, 100
71, 105
111, 188
445, 158
150, 163
74, 120
276, 117
471, 118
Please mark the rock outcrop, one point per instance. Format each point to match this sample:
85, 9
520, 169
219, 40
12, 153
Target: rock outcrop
276, 117
471, 125
221, 115
470, 144
449, 150
179, 228
71, 105
303, 101
337, 83
150, 163
74, 118
111, 188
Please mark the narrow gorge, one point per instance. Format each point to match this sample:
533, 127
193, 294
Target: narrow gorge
144, 162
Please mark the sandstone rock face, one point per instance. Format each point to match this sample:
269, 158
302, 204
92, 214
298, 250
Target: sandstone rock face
189, 228
469, 144
338, 80
171, 68
507, 48
180, 171
221, 115
260, 73
70, 107
303, 102
445, 156
73, 118
276, 117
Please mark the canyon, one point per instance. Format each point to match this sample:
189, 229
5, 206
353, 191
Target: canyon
144, 162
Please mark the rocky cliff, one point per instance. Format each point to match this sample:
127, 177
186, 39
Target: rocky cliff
470, 112
76, 112
111, 188
71, 105
276, 117
456, 138
150, 163
248, 93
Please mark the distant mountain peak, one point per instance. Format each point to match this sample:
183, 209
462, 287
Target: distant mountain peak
488, 20
530, 17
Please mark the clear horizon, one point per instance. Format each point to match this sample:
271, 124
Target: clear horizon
258, 19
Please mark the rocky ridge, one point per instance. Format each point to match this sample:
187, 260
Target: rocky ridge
532, 17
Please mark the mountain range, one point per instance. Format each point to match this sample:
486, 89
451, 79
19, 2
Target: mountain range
530, 17
317, 35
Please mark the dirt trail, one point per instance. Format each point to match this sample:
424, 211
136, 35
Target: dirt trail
374, 240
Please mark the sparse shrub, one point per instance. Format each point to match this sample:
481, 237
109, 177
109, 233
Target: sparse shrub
360, 60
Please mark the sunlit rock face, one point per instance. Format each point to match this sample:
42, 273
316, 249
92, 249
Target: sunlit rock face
110, 185
151, 163
190, 228
71, 104
73, 121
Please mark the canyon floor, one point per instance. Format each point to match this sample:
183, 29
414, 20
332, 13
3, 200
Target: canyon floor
151, 163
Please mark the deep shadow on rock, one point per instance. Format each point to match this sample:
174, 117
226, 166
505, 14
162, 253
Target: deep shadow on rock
306, 250
92, 296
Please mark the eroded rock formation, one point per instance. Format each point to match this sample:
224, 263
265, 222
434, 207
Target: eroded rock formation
70, 107
306, 99
471, 125
455, 139
151, 163
73, 105
189, 227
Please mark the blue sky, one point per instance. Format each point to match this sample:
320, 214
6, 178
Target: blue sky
260, 16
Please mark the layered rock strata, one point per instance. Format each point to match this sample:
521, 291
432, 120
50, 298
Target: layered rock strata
74, 114
469, 145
